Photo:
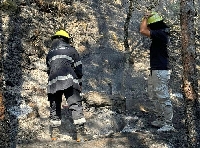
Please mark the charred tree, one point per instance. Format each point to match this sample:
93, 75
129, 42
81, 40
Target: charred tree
4, 122
190, 80
126, 25
127, 52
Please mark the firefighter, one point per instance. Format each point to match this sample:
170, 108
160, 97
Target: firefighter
154, 27
64, 69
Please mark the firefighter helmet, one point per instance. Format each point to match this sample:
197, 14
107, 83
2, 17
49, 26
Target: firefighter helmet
61, 33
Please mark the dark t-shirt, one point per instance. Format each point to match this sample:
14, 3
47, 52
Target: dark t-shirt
159, 59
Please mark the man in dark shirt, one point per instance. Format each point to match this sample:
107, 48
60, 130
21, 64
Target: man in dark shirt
152, 26
65, 72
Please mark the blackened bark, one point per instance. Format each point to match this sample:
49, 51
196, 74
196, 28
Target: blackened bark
4, 119
190, 80
126, 25
4, 124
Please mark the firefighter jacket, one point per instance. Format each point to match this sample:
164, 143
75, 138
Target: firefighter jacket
64, 67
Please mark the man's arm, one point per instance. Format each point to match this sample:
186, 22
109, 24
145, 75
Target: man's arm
78, 66
143, 26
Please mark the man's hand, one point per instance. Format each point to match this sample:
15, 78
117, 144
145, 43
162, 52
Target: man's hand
148, 15
143, 26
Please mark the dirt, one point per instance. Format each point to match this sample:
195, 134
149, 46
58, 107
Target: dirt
140, 133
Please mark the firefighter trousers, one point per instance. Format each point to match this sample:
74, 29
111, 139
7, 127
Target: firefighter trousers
74, 101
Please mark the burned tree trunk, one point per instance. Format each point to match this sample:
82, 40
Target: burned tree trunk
4, 124
190, 80
126, 25
127, 52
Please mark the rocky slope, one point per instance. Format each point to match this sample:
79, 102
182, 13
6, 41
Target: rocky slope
114, 93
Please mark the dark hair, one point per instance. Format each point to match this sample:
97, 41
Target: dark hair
158, 25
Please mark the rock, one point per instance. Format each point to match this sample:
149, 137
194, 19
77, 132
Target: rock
97, 99
118, 103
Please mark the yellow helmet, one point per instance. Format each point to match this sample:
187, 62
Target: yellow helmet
62, 33
154, 18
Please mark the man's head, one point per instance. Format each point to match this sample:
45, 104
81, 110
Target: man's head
62, 34
155, 17
155, 21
